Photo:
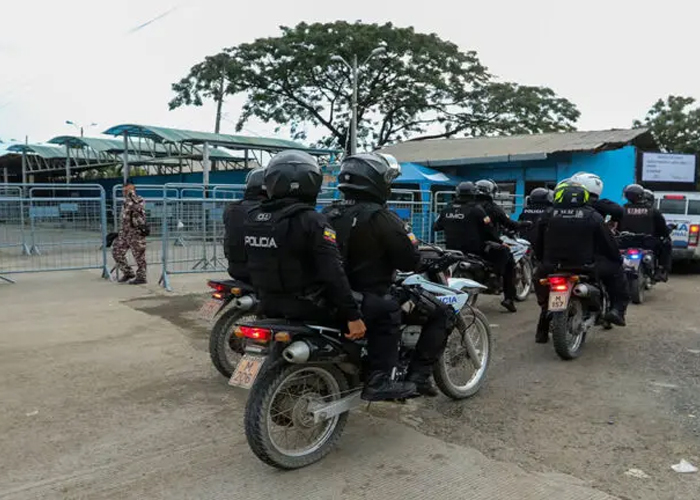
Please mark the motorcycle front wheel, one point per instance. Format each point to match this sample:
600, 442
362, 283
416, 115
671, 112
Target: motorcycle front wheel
566, 327
523, 280
278, 426
454, 373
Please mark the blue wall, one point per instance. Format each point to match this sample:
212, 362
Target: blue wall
616, 168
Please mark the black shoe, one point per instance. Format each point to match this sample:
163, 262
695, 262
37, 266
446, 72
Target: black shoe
424, 384
661, 275
126, 277
380, 387
510, 305
615, 317
138, 281
542, 336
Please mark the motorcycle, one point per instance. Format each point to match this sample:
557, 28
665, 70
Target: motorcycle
639, 263
479, 269
305, 378
577, 302
224, 348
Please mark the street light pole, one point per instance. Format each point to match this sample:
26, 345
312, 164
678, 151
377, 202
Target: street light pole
353, 121
355, 70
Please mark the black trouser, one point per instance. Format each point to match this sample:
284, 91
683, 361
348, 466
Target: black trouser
432, 340
666, 253
382, 317
502, 259
610, 273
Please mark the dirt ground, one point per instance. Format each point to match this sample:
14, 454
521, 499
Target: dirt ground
108, 393
632, 401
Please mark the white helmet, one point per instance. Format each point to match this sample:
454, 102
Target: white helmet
591, 182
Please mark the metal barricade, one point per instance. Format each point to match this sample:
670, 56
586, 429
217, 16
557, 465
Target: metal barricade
193, 232
51, 227
442, 199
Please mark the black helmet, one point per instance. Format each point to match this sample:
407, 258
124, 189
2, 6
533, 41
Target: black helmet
486, 188
634, 193
649, 197
465, 190
294, 174
570, 194
254, 187
369, 173
541, 196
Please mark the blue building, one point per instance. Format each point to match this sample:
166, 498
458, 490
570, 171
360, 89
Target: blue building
521, 163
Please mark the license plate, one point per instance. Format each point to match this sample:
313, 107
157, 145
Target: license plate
558, 301
209, 309
246, 371
632, 263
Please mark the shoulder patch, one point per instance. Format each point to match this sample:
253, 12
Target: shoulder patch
413, 238
487, 220
329, 235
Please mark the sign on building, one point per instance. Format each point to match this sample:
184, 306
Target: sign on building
668, 171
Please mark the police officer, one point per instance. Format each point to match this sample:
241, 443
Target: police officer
294, 261
594, 186
539, 201
501, 255
374, 243
574, 235
234, 220
642, 218
470, 229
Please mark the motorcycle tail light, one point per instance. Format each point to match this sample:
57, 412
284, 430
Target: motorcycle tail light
558, 283
254, 333
634, 253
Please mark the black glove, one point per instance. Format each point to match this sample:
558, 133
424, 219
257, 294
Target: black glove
526, 224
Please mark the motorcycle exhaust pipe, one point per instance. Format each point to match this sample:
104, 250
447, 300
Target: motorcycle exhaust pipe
297, 352
245, 302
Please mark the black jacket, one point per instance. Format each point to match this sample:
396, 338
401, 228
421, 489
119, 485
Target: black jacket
574, 237
293, 260
607, 207
374, 243
498, 216
467, 227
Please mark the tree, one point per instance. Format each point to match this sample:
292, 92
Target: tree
422, 86
212, 79
675, 124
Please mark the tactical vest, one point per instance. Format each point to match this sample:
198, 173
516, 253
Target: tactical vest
276, 267
570, 238
351, 219
638, 218
456, 225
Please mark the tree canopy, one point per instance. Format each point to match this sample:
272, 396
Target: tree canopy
675, 124
421, 86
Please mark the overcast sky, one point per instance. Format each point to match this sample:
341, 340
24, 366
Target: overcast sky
95, 61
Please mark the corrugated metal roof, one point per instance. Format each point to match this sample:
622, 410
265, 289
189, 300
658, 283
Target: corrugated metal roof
46, 151
162, 134
517, 147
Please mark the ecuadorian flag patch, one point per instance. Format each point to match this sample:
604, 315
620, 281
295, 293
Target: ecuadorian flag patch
329, 235
413, 238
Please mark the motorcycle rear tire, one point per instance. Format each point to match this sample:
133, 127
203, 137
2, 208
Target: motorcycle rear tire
220, 337
637, 288
258, 409
559, 329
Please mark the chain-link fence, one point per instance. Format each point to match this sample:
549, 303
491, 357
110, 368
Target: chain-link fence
52, 228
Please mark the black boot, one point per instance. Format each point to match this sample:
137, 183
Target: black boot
510, 305
542, 336
616, 317
380, 387
126, 278
424, 383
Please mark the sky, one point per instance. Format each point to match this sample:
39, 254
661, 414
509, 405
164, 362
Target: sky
92, 61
